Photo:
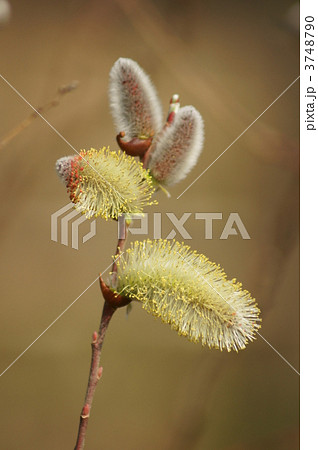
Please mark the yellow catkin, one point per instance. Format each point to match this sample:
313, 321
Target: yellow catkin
106, 183
190, 293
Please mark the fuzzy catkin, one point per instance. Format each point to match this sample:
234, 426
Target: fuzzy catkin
177, 147
190, 293
105, 183
134, 102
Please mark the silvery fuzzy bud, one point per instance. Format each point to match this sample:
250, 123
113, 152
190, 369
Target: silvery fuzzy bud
134, 102
177, 148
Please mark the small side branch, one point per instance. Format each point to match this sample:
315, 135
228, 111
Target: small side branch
42, 109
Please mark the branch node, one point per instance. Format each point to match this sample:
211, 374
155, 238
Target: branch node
99, 373
111, 298
85, 411
134, 147
94, 337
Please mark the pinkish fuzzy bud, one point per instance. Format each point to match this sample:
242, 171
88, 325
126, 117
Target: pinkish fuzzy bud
133, 100
176, 149
63, 168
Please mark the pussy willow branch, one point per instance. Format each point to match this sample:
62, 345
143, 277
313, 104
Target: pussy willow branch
95, 371
122, 229
42, 109
112, 302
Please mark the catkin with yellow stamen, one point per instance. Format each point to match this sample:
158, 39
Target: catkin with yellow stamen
105, 183
190, 293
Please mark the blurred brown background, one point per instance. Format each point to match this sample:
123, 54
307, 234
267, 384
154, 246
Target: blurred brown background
230, 60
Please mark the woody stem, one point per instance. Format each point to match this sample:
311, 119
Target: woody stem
122, 229
95, 371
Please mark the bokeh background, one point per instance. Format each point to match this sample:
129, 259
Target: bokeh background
230, 60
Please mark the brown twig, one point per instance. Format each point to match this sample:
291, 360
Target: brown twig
123, 227
41, 110
112, 302
94, 373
